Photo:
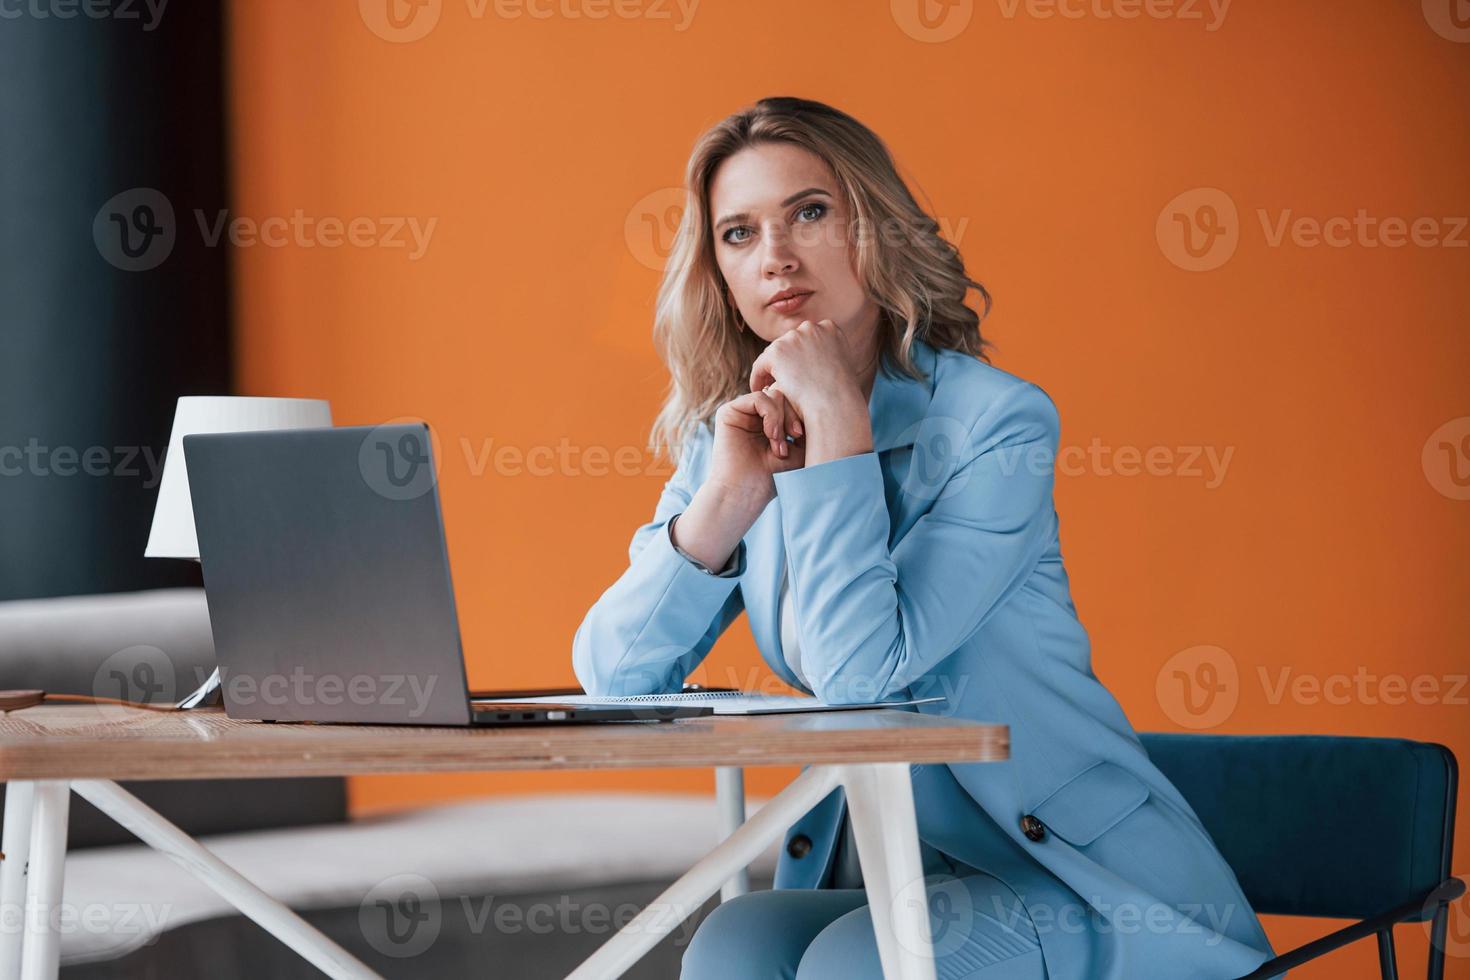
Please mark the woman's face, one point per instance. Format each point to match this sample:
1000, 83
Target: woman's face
779, 224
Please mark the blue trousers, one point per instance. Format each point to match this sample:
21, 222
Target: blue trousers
980, 932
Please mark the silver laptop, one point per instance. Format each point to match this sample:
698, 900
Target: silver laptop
328, 583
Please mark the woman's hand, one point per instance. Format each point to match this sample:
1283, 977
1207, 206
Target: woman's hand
815, 368
814, 365
749, 447
750, 443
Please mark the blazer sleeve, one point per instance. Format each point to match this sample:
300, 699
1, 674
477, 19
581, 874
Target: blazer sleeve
657, 622
875, 620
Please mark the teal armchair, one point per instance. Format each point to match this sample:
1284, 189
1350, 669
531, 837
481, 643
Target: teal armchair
1328, 826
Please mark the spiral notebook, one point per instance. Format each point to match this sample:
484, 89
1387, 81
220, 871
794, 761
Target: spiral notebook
722, 702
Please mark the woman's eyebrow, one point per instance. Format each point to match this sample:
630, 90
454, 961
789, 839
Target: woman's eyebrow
727, 219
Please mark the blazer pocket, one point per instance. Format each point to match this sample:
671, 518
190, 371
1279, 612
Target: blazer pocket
1091, 803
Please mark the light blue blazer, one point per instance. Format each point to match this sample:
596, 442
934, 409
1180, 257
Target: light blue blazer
933, 565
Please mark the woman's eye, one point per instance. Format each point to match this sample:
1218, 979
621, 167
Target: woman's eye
813, 211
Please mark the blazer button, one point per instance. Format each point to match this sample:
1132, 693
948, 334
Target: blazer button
1033, 829
799, 846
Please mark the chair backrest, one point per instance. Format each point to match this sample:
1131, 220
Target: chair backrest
154, 646
1320, 825
202, 807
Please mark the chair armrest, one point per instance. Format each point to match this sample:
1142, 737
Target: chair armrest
1446, 892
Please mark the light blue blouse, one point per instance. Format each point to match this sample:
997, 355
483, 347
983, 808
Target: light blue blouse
932, 565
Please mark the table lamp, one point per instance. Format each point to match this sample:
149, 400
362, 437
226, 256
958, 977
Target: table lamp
172, 535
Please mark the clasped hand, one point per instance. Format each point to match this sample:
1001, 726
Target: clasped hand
806, 376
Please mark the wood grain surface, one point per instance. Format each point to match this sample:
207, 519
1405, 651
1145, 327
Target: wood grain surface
102, 742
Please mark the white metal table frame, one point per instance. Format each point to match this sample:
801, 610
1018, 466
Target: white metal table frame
880, 803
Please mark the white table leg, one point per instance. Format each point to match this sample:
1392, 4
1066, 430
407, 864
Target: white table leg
730, 799
151, 828
880, 802
15, 855
41, 951
687, 894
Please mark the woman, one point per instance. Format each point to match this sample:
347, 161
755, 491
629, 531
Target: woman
855, 475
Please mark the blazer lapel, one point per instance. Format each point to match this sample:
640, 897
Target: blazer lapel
897, 407
767, 551
898, 404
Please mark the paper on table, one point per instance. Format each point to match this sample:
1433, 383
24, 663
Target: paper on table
723, 702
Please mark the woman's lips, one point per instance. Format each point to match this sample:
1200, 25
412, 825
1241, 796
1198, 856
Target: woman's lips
790, 305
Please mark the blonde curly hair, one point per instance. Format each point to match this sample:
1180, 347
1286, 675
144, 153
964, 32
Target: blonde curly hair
916, 277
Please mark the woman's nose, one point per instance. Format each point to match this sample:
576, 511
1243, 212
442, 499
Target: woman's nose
779, 258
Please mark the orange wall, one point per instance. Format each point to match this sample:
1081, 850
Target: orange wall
1049, 148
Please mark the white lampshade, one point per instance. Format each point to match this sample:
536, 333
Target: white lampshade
173, 516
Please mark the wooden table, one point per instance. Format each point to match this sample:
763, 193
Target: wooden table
47, 752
